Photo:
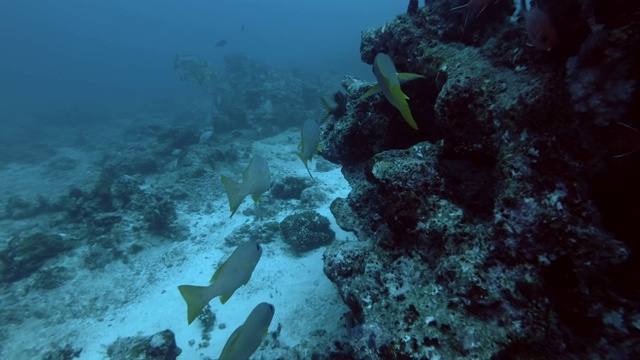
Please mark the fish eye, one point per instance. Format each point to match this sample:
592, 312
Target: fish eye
258, 247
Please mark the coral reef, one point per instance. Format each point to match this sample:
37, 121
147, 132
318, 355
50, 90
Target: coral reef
25, 255
160, 346
290, 187
250, 95
260, 232
65, 353
482, 234
306, 230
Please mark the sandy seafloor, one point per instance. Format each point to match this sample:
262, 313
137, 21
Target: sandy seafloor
140, 297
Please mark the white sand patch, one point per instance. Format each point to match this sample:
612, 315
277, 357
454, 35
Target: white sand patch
141, 297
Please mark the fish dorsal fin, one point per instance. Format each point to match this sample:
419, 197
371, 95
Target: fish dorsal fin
328, 109
319, 148
404, 77
373, 90
325, 104
216, 274
245, 173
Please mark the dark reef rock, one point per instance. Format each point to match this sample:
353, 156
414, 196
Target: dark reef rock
160, 215
17, 208
305, 231
290, 187
368, 128
51, 278
25, 255
492, 232
260, 232
160, 346
62, 353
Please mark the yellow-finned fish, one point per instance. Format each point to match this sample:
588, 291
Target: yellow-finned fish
389, 83
244, 340
309, 142
256, 179
233, 273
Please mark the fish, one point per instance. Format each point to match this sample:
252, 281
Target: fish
338, 110
389, 84
221, 43
542, 34
244, 340
233, 273
309, 142
256, 179
180, 61
473, 7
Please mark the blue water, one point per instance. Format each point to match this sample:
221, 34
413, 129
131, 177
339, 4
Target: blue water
115, 52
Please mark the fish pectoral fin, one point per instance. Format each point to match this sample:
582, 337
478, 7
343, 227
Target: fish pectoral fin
373, 90
196, 299
404, 77
326, 105
216, 274
231, 343
319, 148
256, 198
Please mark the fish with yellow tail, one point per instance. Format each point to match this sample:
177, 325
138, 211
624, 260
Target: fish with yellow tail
233, 273
244, 340
389, 84
309, 142
256, 179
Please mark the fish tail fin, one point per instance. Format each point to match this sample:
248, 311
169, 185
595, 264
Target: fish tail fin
196, 298
328, 110
305, 164
374, 89
401, 101
235, 193
406, 114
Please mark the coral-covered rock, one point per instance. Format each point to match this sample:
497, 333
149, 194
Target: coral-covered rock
306, 230
486, 215
25, 255
160, 346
